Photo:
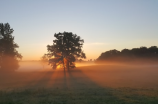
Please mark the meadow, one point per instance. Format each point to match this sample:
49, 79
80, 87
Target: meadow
86, 84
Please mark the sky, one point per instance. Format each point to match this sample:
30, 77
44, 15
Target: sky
103, 24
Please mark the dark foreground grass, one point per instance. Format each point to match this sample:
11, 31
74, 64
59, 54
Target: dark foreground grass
76, 87
80, 96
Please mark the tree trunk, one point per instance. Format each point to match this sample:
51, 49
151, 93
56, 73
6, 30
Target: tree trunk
68, 65
63, 64
63, 61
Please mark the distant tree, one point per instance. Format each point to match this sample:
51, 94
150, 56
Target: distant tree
143, 51
65, 48
153, 50
8, 54
44, 60
125, 51
135, 53
109, 54
80, 60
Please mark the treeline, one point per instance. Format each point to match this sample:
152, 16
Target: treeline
141, 53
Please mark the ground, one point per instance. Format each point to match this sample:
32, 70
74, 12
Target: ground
95, 84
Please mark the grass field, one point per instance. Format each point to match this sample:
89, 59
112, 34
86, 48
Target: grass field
97, 84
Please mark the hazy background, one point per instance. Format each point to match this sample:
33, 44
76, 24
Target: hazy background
103, 24
34, 75
28, 66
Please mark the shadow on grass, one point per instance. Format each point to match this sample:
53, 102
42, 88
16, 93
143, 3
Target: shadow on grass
71, 87
88, 92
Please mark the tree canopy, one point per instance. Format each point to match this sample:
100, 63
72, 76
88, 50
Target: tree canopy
150, 53
65, 49
8, 54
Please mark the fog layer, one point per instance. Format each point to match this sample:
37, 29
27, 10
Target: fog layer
37, 75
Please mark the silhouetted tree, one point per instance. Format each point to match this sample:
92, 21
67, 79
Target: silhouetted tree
65, 48
153, 51
8, 54
44, 59
80, 60
125, 52
135, 53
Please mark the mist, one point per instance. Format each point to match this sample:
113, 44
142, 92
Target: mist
107, 74
39, 66
87, 79
32, 66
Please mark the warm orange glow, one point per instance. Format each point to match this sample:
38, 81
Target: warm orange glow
59, 66
111, 74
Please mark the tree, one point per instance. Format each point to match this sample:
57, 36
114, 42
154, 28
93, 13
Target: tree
44, 59
8, 54
65, 48
141, 53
